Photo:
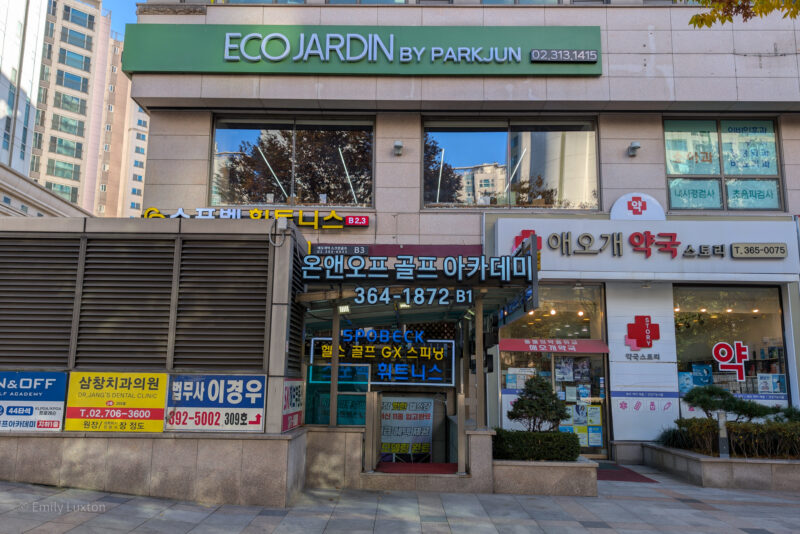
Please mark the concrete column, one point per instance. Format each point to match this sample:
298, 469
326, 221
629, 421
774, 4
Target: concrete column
334, 402
480, 375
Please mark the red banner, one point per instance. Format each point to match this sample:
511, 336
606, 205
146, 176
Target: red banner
590, 346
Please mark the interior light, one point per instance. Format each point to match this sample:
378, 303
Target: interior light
714, 316
755, 311
702, 310
553, 312
530, 312
344, 308
580, 313
677, 309
404, 306
729, 310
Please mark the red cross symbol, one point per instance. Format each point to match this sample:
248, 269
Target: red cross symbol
637, 206
641, 333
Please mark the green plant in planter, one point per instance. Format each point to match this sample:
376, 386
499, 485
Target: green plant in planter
712, 399
538, 405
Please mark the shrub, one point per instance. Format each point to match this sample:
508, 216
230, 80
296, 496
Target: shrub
535, 446
789, 414
711, 399
538, 405
772, 439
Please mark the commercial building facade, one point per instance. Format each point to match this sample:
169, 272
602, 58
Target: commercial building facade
654, 164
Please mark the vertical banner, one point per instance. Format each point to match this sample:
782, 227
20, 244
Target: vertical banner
218, 403
293, 396
116, 402
642, 359
406, 425
32, 402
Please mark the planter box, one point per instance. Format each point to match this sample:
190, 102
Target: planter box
734, 473
546, 478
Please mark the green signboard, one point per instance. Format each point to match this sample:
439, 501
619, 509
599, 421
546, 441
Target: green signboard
363, 50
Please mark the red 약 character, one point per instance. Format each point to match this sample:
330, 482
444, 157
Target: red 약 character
642, 241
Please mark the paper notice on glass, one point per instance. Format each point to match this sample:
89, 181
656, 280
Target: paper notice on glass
571, 393
579, 415
595, 436
583, 435
594, 414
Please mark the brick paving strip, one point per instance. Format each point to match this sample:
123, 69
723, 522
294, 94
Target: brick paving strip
671, 506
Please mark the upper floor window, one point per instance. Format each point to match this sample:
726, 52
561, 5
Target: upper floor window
138, 164
722, 164
141, 122
66, 147
293, 162
138, 178
49, 29
51, 7
67, 125
76, 38
70, 103
500, 164
78, 17
75, 60
72, 81
139, 150
62, 169
141, 136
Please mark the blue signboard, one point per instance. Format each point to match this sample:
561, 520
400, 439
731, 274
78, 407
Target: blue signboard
217, 403
32, 402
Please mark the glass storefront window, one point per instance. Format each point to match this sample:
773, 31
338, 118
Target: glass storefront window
352, 400
705, 155
751, 316
566, 312
293, 163
502, 165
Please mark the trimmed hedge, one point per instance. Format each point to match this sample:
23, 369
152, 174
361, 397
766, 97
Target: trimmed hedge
535, 446
771, 439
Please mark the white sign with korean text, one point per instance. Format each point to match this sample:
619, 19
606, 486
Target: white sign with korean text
643, 249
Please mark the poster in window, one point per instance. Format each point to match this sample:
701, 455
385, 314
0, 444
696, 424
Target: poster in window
583, 435
579, 414
582, 370
691, 147
753, 194
748, 148
701, 375
594, 414
686, 193
595, 436
564, 370
685, 382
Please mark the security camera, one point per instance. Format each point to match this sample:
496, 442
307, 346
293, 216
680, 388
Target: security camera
633, 147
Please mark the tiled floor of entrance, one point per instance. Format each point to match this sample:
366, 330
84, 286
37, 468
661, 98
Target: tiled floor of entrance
623, 507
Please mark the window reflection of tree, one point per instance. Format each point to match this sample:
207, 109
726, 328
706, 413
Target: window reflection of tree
299, 166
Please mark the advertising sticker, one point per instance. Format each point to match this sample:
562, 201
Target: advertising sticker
116, 402
292, 404
406, 425
32, 402
218, 403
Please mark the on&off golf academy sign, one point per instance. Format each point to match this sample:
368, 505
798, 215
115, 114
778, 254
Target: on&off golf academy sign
363, 50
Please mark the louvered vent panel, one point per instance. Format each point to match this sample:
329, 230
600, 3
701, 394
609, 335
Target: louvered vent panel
125, 304
296, 317
37, 292
222, 304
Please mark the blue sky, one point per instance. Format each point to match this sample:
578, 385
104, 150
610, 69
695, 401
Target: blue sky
122, 12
